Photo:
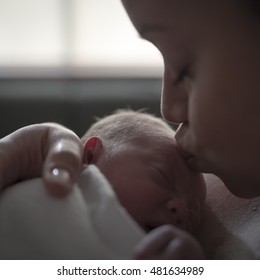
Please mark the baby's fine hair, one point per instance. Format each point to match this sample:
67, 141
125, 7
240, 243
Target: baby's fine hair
126, 124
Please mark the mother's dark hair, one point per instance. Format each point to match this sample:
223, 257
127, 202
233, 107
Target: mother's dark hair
253, 6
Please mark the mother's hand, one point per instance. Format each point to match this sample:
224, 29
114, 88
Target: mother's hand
169, 242
48, 150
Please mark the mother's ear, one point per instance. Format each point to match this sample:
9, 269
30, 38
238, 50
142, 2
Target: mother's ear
93, 148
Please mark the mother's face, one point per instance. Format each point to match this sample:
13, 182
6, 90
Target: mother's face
211, 83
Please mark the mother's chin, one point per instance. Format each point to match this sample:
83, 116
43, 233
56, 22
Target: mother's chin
240, 185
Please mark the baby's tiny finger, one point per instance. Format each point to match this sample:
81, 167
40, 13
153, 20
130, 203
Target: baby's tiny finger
154, 243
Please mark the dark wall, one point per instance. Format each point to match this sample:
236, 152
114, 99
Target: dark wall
72, 102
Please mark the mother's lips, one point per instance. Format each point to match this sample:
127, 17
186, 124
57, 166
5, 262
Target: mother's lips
184, 153
180, 136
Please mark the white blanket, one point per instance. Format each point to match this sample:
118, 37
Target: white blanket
89, 223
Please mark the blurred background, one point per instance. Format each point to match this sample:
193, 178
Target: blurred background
69, 61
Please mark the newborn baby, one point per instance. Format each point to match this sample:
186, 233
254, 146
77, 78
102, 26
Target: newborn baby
138, 154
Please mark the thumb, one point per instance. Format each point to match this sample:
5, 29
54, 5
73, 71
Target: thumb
63, 162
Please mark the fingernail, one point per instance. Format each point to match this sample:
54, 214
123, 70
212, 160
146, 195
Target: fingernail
61, 176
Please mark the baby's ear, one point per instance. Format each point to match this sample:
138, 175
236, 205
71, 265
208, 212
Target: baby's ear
92, 149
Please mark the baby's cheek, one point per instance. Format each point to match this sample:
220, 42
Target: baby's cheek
197, 188
202, 187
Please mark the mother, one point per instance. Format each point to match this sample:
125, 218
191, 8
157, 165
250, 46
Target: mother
211, 82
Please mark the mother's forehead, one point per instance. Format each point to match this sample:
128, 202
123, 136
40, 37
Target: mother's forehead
153, 9
158, 15
148, 8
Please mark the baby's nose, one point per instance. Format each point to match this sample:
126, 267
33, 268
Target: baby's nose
179, 212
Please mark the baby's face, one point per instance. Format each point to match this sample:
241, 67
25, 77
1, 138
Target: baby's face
211, 82
154, 183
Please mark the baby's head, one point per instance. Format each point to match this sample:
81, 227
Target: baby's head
137, 153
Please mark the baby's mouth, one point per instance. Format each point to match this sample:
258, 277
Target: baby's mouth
149, 228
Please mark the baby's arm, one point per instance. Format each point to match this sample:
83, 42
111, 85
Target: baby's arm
169, 242
47, 149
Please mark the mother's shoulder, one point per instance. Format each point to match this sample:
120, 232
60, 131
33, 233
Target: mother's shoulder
230, 226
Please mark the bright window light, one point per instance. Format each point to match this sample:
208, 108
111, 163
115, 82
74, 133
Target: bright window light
31, 33
83, 36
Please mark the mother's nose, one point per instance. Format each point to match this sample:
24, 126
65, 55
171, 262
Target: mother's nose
174, 100
179, 212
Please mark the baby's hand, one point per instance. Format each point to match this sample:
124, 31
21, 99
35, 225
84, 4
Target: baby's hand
48, 150
168, 242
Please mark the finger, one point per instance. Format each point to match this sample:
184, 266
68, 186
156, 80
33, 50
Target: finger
183, 247
155, 242
62, 165
169, 242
